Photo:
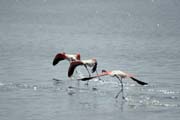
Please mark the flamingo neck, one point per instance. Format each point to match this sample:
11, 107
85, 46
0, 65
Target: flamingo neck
107, 72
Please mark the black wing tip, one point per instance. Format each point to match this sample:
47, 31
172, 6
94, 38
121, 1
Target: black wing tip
94, 68
57, 58
143, 83
138, 81
85, 78
82, 79
55, 62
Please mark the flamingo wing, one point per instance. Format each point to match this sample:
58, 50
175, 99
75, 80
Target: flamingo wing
58, 57
86, 78
138, 81
72, 67
94, 67
89, 78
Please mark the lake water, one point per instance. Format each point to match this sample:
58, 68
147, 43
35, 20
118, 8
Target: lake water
141, 37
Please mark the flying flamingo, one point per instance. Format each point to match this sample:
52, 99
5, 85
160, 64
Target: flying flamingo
92, 63
119, 75
64, 56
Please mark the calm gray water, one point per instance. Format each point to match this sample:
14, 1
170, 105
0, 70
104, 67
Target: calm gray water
141, 37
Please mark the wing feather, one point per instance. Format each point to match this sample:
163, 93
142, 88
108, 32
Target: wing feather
58, 57
72, 67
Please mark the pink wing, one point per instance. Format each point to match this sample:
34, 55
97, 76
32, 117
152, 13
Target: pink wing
72, 67
58, 57
89, 78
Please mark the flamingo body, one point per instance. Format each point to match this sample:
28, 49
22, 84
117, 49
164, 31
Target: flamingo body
63, 56
89, 63
119, 73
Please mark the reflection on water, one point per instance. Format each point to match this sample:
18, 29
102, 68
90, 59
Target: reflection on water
156, 95
76, 97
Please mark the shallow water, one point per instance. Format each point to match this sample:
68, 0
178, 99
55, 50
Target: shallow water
140, 37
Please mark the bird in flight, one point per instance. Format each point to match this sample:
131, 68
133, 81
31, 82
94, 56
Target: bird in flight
92, 63
63, 56
119, 75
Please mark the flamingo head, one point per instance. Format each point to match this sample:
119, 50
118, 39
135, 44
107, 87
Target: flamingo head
78, 56
103, 71
94, 59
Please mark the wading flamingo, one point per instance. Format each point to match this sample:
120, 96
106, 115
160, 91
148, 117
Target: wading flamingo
119, 75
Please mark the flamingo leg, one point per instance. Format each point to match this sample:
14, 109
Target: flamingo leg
88, 73
121, 90
87, 70
97, 74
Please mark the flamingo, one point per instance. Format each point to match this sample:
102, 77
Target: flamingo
119, 75
64, 56
92, 63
